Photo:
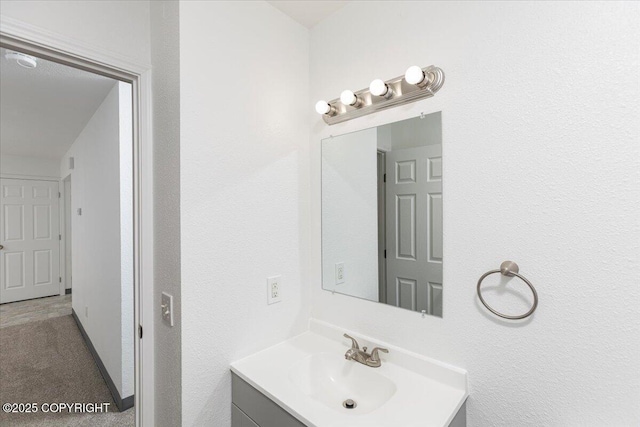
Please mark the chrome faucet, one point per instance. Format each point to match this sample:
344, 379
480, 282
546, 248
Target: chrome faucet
361, 356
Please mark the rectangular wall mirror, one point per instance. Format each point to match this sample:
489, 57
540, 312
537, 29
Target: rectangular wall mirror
382, 214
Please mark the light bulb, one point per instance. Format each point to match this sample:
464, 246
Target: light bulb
347, 97
414, 75
323, 107
379, 88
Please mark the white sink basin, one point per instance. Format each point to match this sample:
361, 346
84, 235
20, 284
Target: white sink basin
330, 379
309, 377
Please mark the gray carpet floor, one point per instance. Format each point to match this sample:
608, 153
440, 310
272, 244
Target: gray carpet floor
33, 310
45, 362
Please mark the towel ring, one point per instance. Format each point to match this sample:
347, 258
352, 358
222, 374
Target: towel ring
510, 269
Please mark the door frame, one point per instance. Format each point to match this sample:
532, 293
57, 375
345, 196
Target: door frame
65, 213
381, 169
15, 34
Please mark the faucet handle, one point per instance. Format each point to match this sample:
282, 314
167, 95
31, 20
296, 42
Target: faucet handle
354, 343
374, 353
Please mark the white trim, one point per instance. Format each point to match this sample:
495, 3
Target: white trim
70, 47
52, 46
28, 177
65, 235
62, 229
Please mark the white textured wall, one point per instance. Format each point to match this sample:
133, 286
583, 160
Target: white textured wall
114, 25
541, 165
350, 213
33, 166
244, 130
96, 240
165, 58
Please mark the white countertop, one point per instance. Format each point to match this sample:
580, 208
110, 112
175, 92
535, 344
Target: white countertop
429, 392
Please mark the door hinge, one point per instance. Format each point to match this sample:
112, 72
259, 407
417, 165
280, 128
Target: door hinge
385, 253
385, 177
59, 195
59, 236
59, 279
140, 331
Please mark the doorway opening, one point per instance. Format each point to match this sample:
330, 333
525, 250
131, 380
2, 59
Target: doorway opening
47, 48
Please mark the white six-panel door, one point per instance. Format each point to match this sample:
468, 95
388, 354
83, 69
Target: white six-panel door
30, 254
414, 228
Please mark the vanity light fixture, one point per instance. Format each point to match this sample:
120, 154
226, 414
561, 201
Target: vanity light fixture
417, 83
23, 60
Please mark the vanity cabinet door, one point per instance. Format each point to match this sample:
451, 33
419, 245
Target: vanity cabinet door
240, 419
257, 407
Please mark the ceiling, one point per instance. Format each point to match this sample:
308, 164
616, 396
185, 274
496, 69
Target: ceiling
308, 13
44, 109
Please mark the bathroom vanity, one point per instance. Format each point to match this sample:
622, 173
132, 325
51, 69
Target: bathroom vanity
307, 381
381, 193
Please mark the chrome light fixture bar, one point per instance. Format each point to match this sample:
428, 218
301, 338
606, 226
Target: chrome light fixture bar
416, 84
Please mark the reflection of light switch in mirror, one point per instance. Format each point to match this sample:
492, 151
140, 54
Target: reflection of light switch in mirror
339, 273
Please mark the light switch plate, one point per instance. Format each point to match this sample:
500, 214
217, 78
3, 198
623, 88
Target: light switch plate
166, 308
274, 289
339, 273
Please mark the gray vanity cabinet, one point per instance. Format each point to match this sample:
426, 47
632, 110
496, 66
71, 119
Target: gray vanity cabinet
240, 419
460, 420
250, 408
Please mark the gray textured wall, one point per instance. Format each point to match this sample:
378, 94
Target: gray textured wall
165, 59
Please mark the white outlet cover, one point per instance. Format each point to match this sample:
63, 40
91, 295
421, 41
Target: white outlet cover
274, 289
166, 308
339, 273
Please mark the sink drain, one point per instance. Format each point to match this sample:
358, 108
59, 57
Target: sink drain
349, 404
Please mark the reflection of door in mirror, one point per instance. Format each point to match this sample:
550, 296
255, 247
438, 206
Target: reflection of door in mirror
382, 215
414, 229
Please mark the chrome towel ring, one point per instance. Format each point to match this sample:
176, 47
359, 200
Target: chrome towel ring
510, 269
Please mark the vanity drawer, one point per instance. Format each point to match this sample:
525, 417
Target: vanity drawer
253, 409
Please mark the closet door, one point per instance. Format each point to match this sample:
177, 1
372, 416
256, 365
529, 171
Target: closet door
29, 236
